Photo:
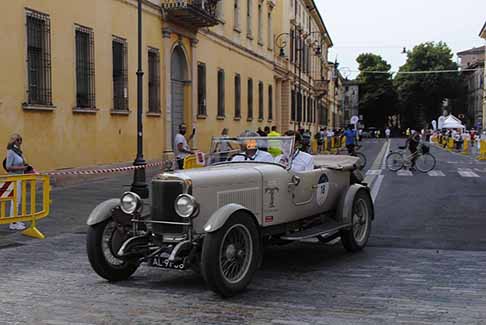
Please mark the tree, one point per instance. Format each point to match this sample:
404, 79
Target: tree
377, 95
421, 94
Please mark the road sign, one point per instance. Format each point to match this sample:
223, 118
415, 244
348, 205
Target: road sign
354, 119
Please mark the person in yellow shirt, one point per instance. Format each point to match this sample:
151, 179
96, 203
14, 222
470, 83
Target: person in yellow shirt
274, 147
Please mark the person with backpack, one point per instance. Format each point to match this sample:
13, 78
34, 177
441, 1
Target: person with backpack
15, 164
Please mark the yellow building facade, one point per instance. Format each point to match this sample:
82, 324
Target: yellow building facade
68, 82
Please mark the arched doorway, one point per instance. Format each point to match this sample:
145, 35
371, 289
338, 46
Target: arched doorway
178, 81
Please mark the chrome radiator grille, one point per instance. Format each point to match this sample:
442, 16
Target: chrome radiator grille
164, 194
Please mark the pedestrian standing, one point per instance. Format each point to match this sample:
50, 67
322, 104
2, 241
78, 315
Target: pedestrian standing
274, 145
387, 133
16, 165
181, 148
261, 132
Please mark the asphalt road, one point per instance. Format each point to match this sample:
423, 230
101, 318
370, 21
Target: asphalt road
425, 264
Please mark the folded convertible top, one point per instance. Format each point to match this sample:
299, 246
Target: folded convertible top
336, 162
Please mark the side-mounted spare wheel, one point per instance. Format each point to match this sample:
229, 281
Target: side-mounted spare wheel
355, 238
231, 254
103, 241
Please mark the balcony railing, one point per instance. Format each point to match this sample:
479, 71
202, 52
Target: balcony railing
191, 13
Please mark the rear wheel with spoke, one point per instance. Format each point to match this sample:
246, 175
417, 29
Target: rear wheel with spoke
425, 163
394, 161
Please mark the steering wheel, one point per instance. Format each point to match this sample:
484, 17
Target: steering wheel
238, 154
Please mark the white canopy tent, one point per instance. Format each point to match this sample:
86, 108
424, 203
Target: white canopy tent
452, 122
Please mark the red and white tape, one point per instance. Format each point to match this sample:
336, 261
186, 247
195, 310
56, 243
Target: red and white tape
6, 190
104, 171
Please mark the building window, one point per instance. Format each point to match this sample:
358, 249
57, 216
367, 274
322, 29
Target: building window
260, 24
250, 99
85, 68
220, 93
39, 58
260, 101
120, 74
237, 96
269, 31
248, 18
154, 80
201, 89
292, 106
237, 14
299, 107
270, 103
292, 40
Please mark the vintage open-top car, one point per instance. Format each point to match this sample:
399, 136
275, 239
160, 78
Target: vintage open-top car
216, 220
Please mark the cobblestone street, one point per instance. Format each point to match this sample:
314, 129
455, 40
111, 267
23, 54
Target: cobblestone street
298, 284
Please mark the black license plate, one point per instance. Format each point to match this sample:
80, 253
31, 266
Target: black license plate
164, 263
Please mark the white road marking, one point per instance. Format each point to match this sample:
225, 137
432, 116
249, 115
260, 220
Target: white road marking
376, 187
404, 173
436, 173
387, 151
373, 172
467, 174
464, 169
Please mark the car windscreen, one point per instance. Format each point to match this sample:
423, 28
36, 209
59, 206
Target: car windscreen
276, 150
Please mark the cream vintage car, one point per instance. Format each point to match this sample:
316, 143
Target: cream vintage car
217, 220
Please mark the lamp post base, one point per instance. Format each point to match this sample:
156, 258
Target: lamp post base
139, 185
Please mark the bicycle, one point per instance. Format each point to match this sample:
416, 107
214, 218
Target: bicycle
424, 162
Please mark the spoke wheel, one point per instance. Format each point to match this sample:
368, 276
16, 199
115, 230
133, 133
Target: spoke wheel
230, 255
356, 238
103, 241
425, 163
394, 161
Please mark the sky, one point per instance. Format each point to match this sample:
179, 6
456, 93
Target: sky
384, 27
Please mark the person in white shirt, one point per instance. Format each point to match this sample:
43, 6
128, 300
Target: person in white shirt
387, 133
250, 151
301, 161
181, 148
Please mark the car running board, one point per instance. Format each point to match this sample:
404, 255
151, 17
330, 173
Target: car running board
328, 228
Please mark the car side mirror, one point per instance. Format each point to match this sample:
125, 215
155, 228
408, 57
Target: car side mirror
295, 180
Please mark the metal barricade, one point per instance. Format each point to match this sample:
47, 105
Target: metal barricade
13, 188
482, 150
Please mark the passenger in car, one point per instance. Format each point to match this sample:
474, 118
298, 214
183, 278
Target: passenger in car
250, 151
301, 161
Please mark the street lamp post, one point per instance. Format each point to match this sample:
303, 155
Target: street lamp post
139, 184
281, 43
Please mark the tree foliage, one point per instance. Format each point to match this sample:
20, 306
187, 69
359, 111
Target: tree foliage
377, 95
421, 95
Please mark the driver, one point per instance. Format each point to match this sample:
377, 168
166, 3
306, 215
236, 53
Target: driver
250, 151
301, 161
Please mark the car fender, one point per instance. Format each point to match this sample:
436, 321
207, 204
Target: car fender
345, 207
102, 211
220, 216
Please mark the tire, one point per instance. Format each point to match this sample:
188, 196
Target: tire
103, 259
425, 163
362, 159
226, 268
356, 238
394, 161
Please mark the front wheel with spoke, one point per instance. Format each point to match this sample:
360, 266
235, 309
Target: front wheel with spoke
355, 238
425, 163
230, 255
394, 161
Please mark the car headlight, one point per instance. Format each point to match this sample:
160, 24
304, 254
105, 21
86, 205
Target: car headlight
185, 205
131, 202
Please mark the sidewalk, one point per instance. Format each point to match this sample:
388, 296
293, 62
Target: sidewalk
71, 205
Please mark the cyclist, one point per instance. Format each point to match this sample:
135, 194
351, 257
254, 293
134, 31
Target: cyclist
412, 143
350, 135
